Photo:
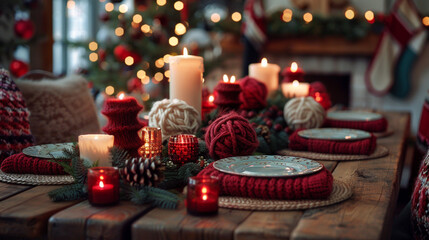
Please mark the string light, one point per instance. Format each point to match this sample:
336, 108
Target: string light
236, 17
123, 8
145, 97
141, 74
93, 57
71, 4
159, 63
109, 7
215, 17
167, 74
178, 5
145, 80
167, 58
137, 18
129, 61
158, 76
308, 17
119, 31
92, 46
161, 2
180, 29
145, 28
350, 14
425, 21
287, 15
109, 90
173, 41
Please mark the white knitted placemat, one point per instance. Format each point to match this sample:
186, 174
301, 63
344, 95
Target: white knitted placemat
32, 179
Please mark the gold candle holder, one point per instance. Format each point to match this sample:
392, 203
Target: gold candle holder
152, 142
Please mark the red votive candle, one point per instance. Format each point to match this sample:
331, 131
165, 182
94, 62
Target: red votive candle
103, 185
203, 195
183, 148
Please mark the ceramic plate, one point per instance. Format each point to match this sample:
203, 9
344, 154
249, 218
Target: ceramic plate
267, 166
344, 134
354, 115
47, 150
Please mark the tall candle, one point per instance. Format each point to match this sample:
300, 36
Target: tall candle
186, 79
267, 73
295, 89
96, 147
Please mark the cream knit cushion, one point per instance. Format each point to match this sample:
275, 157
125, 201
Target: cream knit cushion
60, 110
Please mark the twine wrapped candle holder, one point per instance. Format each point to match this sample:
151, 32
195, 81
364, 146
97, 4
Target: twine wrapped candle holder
152, 142
183, 148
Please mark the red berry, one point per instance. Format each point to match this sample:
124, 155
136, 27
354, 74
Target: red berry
278, 127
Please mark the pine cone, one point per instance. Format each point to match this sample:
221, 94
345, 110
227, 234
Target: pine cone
264, 131
143, 171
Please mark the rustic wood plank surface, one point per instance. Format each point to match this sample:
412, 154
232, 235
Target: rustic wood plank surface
8, 190
26, 214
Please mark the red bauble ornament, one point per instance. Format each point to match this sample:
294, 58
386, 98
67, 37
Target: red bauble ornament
104, 17
120, 52
137, 58
18, 68
101, 55
135, 84
24, 29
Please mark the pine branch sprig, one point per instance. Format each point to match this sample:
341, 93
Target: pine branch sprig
68, 193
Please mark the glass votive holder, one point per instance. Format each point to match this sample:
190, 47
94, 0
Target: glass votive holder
103, 185
203, 195
96, 148
152, 142
183, 148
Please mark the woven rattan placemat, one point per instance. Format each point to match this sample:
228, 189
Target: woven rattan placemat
340, 192
32, 179
380, 151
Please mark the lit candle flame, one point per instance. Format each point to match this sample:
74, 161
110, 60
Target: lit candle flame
264, 62
101, 184
185, 51
101, 177
232, 79
204, 190
211, 98
121, 96
225, 78
294, 67
204, 197
295, 83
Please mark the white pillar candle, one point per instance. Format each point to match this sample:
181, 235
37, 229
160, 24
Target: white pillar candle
96, 147
267, 73
186, 79
295, 89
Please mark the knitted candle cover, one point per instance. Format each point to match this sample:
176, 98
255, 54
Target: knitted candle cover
303, 112
289, 76
253, 93
21, 163
227, 96
314, 186
420, 202
123, 123
15, 132
230, 135
174, 117
358, 147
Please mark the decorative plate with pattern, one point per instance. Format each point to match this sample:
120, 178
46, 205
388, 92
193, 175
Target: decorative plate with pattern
47, 150
267, 166
353, 115
338, 134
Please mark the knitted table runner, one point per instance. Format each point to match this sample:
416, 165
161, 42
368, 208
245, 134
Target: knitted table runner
379, 125
23, 164
314, 186
358, 147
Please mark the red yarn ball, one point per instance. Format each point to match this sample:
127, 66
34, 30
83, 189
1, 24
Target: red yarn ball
18, 68
253, 93
24, 29
230, 135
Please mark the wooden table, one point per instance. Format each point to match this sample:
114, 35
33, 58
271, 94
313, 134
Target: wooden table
27, 212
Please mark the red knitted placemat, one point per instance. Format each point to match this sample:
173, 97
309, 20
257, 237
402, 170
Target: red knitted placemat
21, 163
379, 125
358, 147
314, 186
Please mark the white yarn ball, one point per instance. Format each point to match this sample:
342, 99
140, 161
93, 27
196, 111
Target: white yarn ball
174, 117
304, 112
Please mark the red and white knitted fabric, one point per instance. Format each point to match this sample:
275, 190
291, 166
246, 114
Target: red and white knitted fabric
21, 163
15, 132
420, 201
314, 186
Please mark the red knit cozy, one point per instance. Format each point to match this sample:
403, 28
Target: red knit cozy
358, 147
419, 202
253, 93
227, 96
379, 125
230, 135
314, 186
123, 123
21, 163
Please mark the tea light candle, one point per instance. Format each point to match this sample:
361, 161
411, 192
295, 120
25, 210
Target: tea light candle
203, 194
183, 148
228, 94
96, 147
186, 79
152, 142
103, 185
208, 106
295, 89
293, 73
267, 73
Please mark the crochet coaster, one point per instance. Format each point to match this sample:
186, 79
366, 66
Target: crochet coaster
340, 192
32, 179
380, 151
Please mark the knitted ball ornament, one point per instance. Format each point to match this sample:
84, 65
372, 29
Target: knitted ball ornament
304, 112
174, 117
253, 93
230, 135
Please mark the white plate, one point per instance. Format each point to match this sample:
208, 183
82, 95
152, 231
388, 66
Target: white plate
267, 166
47, 150
354, 115
343, 134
